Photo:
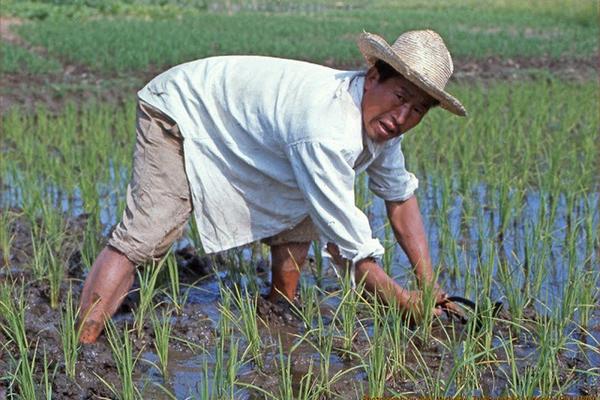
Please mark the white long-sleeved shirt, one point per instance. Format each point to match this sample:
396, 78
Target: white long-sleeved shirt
268, 141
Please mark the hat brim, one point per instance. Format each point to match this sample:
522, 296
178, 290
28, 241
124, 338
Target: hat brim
374, 47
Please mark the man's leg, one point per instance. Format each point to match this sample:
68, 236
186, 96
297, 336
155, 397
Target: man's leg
106, 286
286, 261
158, 206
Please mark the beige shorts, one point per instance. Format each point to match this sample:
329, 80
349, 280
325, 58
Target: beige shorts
305, 231
158, 204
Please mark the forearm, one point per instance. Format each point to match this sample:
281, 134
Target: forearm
407, 224
375, 279
379, 283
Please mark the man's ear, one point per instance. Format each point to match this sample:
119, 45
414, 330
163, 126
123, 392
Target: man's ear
371, 78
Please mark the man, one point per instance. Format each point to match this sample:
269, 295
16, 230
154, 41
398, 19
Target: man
267, 149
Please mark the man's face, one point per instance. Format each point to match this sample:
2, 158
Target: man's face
392, 107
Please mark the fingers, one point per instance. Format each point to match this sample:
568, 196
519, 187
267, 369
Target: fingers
441, 297
453, 310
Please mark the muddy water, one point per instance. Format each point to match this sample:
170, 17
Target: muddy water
199, 319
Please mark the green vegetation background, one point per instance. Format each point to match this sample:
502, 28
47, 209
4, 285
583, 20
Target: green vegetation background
118, 36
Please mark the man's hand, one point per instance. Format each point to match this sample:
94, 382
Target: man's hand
443, 304
415, 305
381, 284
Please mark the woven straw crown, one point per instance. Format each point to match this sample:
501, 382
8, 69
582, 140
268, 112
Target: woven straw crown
419, 56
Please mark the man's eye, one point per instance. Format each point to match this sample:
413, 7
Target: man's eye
400, 97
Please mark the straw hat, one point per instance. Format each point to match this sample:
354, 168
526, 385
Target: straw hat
419, 56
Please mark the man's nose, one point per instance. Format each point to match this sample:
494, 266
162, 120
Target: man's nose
401, 114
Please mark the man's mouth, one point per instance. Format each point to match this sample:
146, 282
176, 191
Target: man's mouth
387, 128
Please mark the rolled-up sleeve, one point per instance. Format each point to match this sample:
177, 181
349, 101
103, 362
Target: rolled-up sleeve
388, 177
326, 179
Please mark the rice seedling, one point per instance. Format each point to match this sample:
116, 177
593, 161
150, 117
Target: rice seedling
162, 332
56, 274
347, 311
48, 377
247, 322
425, 314
90, 247
390, 247
517, 299
12, 309
376, 362
225, 369
122, 351
225, 380
241, 271
589, 347
22, 380
324, 347
307, 388
564, 312
397, 336
285, 389
540, 378
431, 381
233, 366
536, 252
309, 305
317, 269
69, 334
174, 295
203, 386
39, 266
589, 296
6, 235
194, 236
147, 277
465, 372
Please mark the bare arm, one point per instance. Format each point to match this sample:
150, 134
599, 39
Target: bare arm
407, 224
381, 284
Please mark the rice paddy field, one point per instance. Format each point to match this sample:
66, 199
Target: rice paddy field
510, 198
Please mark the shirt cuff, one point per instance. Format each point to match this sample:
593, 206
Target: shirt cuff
371, 248
397, 193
